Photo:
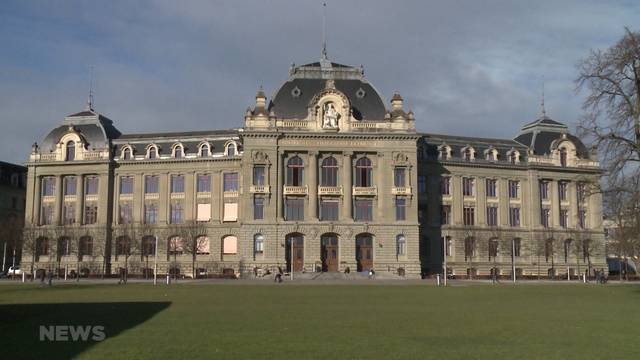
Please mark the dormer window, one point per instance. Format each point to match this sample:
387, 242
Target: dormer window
126, 153
514, 156
492, 155
71, 151
231, 149
204, 150
152, 153
444, 152
563, 157
467, 153
178, 151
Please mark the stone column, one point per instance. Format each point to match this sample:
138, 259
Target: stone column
347, 168
278, 191
572, 196
216, 196
458, 199
533, 202
37, 199
503, 202
103, 198
312, 182
163, 198
481, 201
58, 204
555, 204
189, 196
80, 198
383, 189
138, 192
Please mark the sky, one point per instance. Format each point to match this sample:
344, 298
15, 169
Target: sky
470, 68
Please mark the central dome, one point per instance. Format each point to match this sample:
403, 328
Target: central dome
305, 81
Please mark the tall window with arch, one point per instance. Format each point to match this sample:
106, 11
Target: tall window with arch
204, 150
295, 171
258, 244
152, 152
329, 172
231, 150
563, 157
178, 152
126, 154
401, 245
71, 151
364, 172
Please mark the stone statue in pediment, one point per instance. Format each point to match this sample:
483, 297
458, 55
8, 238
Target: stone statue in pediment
330, 116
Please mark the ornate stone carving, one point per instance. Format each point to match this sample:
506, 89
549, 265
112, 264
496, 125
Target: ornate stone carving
260, 157
329, 116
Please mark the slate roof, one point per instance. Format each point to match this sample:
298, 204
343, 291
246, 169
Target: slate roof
96, 129
480, 145
538, 135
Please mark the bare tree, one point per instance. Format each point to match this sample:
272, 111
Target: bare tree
194, 240
127, 244
470, 236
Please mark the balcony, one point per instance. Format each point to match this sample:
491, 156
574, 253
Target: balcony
177, 195
401, 190
230, 193
365, 191
260, 189
295, 190
330, 190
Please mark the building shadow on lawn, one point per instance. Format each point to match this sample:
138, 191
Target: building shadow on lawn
22, 335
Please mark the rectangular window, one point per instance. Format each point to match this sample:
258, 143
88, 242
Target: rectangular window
562, 190
230, 181
467, 186
294, 209
422, 184
514, 187
564, 218
582, 218
544, 218
445, 214
204, 183
48, 186
177, 213
230, 212
151, 184
468, 215
448, 245
517, 245
204, 212
258, 208
126, 185
70, 185
90, 214
492, 216
91, 185
399, 177
258, 175
445, 185
401, 208
126, 214
514, 216
150, 213
329, 210
491, 187
177, 183
364, 210
544, 190
47, 214
69, 214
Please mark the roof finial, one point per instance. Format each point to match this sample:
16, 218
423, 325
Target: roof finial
543, 112
324, 30
90, 99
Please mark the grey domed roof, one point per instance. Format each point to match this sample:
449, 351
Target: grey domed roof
539, 135
305, 81
97, 130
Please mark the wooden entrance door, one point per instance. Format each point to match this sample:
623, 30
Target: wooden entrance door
329, 252
364, 252
295, 244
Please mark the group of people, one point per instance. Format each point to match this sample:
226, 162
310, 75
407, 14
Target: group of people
601, 278
48, 275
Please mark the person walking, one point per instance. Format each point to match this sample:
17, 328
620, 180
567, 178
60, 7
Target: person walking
278, 277
50, 277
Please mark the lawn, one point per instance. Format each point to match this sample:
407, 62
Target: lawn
240, 320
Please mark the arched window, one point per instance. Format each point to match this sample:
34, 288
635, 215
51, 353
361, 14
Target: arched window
204, 150
229, 245
231, 149
586, 251
567, 250
64, 246
258, 244
514, 157
548, 249
148, 246
123, 246
175, 246
467, 153
329, 175
444, 152
71, 151
493, 248
364, 172
401, 245
563, 157
152, 152
178, 152
295, 171
469, 248
203, 246
126, 153
42, 246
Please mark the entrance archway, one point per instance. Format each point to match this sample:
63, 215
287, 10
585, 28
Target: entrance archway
294, 244
329, 252
364, 252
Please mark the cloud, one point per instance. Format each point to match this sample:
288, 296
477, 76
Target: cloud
464, 67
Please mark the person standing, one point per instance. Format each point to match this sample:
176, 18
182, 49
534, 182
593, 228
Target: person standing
50, 277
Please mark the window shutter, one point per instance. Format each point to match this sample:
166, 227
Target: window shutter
230, 212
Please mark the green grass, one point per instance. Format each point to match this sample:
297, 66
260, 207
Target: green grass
242, 321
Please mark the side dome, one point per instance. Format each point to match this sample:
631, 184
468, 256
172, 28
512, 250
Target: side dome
543, 135
96, 130
305, 81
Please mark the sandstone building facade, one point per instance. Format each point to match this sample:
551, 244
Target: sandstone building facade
322, 177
